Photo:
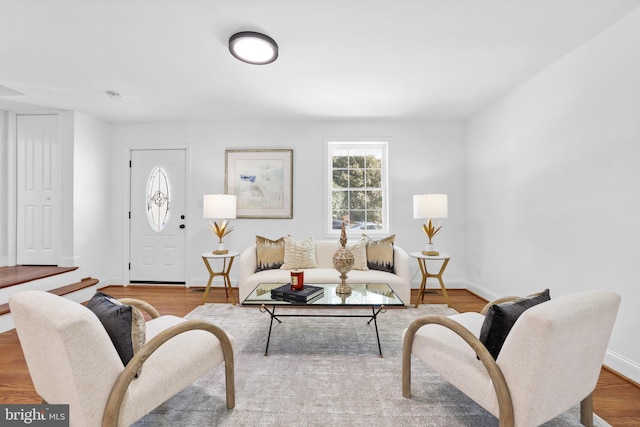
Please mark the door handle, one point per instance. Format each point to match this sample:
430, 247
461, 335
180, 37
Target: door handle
181, 225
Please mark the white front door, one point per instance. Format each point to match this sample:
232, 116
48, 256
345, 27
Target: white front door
158, 216
38, 195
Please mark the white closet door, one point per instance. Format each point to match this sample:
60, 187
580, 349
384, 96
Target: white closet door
38, 182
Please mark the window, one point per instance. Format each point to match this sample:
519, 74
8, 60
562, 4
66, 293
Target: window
357, 187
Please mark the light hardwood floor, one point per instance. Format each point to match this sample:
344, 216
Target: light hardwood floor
615, 400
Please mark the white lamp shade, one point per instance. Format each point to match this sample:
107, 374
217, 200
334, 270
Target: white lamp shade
430, 206
219, 206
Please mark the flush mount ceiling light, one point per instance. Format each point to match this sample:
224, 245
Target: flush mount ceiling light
253, 48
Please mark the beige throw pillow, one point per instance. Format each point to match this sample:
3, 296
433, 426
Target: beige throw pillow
269, 253
380, 253
359, 251
300, 254
138, 329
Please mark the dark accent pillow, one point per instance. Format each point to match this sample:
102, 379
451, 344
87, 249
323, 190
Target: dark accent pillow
500, 318
124, 323
380, 253
269, 253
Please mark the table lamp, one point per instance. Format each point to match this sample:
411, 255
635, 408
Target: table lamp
220, 207
430, 206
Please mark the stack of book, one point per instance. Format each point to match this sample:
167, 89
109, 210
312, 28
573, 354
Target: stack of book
304, 295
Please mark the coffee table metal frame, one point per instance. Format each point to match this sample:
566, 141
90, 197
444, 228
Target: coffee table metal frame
365, 295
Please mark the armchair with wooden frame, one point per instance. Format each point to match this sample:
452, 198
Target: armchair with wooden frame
550, 360
72, 360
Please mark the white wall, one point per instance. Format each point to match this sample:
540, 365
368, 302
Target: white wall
424, 157
92, 153
553, 178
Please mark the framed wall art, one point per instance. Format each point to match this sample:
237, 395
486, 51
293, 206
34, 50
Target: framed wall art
262, 181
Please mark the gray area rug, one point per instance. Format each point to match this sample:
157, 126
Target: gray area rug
322, 372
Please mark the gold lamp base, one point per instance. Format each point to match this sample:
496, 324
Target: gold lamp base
220, 252
430, 250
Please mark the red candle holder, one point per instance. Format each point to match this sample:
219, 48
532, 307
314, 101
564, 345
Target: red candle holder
297, 280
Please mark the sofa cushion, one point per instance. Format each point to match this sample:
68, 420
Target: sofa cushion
399, 280
500, 318
359, 251
300, 254
269, 253
380, 253
125, 324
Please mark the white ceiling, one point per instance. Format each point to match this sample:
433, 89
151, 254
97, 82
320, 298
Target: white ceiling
339, 59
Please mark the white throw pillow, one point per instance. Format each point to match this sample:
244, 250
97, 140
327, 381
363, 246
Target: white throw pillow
300, 254
359, 251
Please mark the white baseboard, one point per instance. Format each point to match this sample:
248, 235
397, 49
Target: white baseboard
68, 261
622, 365
482, 292
118, 281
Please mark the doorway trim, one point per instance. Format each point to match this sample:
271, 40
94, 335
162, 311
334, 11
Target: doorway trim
12, 189
66, 255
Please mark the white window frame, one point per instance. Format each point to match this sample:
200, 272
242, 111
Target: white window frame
340, 143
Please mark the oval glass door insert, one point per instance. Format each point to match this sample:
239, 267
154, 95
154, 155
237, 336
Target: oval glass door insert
158, 199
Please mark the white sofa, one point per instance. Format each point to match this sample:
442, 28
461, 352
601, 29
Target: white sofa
399, 280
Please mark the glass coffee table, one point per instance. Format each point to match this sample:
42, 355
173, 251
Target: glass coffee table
377, 296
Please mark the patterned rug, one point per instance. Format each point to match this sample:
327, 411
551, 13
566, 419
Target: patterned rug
322, 372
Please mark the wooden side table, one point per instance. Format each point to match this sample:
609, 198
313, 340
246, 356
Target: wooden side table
422, 263
227, 262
